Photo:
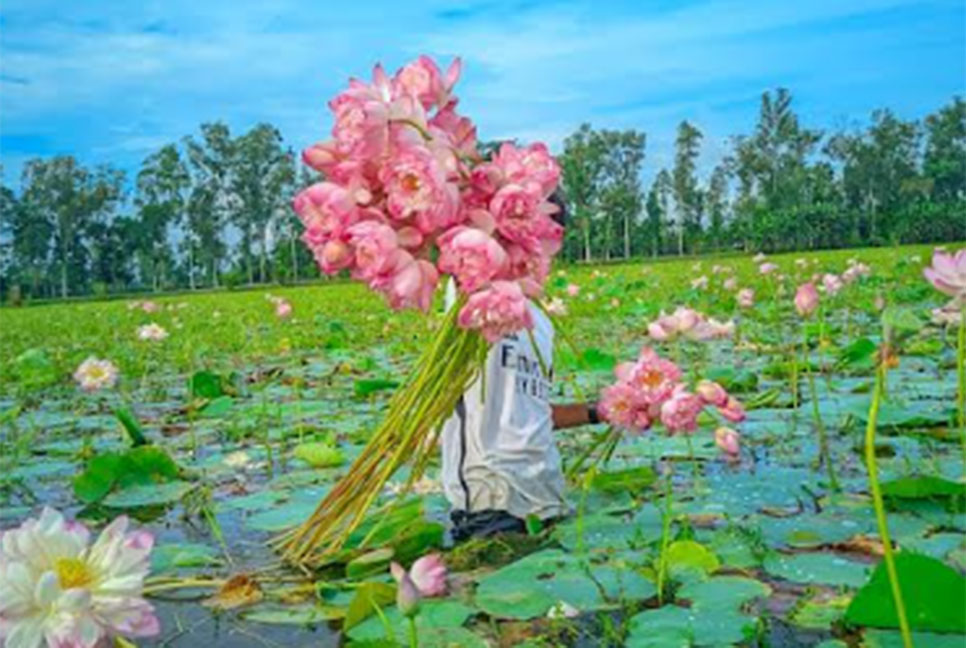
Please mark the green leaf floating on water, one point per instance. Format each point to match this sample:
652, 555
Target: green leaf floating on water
633, 480
366, 386
109, 471
319, 455
149, 495
206, 384
687, 559
922, 486
934, 595
439, 625
817, 567
529, 587
734, 380
174, 555
217, 407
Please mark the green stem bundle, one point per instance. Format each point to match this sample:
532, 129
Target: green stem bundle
880, 514
408, 433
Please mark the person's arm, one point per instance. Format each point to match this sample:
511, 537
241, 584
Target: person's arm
574, 415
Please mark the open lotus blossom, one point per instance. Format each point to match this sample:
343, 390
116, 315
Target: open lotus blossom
730, 283
668, 327
949, 315
556, 306
56, 587
855, 271
767, 268
806, 299
728, 441
746, 298
283, 309
699, 283
573, 290
94, 374
150, 307
151, 332
947, 273
832, 284
712, 329
407, 196
650, 390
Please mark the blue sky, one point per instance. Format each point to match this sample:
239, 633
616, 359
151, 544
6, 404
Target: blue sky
112, 81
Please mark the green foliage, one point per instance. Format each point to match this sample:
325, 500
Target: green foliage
114, 471
934, 596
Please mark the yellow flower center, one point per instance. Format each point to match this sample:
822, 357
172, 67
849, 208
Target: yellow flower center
410, 183
95, 373
652, 378
73, 572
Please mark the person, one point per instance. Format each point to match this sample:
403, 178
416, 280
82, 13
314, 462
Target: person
500, 463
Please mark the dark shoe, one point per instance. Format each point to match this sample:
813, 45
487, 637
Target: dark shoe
484, 524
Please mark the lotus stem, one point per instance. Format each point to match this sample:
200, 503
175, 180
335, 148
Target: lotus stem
825, 455
880, 514
961, 380
665, 536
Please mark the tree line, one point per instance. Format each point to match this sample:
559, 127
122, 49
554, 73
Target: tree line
214, 208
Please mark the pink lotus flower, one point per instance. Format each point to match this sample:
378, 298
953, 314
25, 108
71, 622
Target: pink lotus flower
746, 298
56, 587
573, 290
947, 273
767, 268
652, 376
376, 249
94, 374
949, 315
423, 81
472, 256
733, 410
680, 412
556, 306
806, 299
417, 190
497, 311
680, 322
620, 405
855, 271
712, 329
283, 309
151, 332
425, 579
699, 283
409, 284
712, 393
515, 210
150, 307
832, 284
730, 283
533, 164
728, 440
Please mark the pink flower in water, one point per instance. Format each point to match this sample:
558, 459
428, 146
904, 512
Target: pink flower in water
680, 322
947, 273
806, 299
429, 575
652, 376
680, 412
832, 284
472, 256
730, 283
728, 440
497, 311
949, 315
283, 309
712, 329
151, 332
746, 298
767, 268
621, 405
699, 283
94, 374
56, 587
573, 290
407, 594
733, 410
149, 306
712, 393
556, 306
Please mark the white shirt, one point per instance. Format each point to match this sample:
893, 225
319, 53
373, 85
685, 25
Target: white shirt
500, 454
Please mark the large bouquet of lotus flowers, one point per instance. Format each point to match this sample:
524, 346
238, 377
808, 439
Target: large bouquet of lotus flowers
406, 198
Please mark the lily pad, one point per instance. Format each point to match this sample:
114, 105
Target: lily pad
818, 568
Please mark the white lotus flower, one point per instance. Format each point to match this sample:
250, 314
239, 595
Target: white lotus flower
56, 588
94, 374
152, 332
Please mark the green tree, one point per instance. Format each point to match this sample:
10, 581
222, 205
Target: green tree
658, 210
687, 195
582, 165
162, 186
210, 201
